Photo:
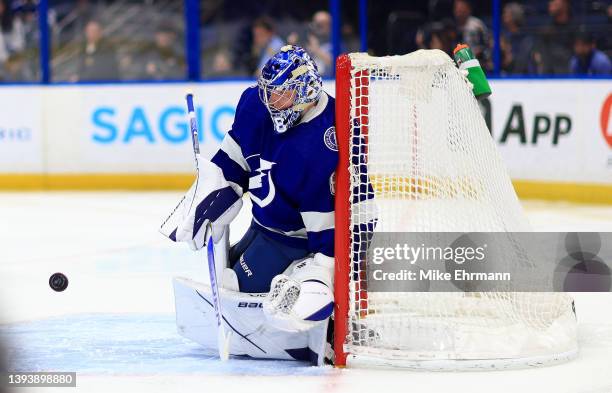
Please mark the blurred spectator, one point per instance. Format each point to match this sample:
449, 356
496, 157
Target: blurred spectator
587, 59
350, 39
516, 46
29, 61
72, 18
160, 59
17, 68
222, 65
317, 41
4, 53
438, 41
11, 32
438, 35
319, 45
97, 59
421, 37
553, 49
560, 12
26, 12
472, 31
265, 42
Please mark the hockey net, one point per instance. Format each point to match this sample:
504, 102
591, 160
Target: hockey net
416, 156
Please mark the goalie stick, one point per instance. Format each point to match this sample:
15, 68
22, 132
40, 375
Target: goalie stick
223, 336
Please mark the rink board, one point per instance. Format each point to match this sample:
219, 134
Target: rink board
554, 135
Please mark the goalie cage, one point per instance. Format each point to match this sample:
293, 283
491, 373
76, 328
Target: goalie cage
410, 127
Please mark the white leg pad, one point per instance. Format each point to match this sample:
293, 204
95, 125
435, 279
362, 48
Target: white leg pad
243, 314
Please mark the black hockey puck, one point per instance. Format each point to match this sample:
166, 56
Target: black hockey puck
58, 282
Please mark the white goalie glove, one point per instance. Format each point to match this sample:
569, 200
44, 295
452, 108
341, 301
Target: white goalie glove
210, 202
302, 296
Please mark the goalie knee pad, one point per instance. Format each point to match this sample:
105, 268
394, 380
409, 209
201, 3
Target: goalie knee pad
230, 280
315, 303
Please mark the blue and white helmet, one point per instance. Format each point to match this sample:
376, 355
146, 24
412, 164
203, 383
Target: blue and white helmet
292, 70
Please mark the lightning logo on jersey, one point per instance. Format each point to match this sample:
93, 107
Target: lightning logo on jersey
257, 187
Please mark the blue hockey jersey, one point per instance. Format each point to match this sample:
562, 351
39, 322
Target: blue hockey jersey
289, 176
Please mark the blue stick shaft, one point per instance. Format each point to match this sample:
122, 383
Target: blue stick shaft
213, 281
193, 125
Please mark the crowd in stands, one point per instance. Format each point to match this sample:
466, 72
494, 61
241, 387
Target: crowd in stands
249, 42
145, 39
118, 40
561, 46
95, 40
18, 41
557, 43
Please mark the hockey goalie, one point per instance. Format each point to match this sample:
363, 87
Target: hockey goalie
276, 283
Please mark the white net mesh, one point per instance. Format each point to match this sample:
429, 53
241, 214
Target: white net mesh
420, 142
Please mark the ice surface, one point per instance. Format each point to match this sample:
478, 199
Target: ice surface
114, 324
126, 344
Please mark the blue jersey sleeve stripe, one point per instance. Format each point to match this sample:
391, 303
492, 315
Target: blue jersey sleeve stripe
318, 221
231, 170
234, 151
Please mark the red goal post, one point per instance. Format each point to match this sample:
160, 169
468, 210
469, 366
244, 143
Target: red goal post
342, 220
